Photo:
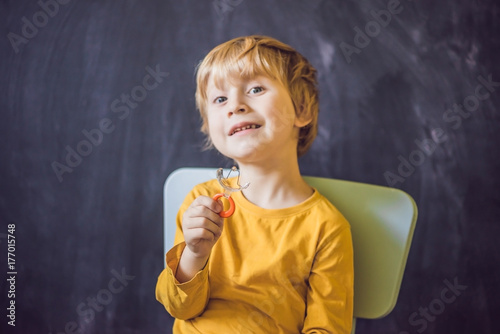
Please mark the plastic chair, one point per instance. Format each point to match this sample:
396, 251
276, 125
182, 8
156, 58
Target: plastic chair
382, 223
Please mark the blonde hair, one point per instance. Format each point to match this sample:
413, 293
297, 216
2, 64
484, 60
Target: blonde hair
261, 55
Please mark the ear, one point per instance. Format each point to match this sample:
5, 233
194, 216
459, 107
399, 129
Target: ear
302, 119
300, 123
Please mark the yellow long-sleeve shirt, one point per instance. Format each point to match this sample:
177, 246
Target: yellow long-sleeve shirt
272, 271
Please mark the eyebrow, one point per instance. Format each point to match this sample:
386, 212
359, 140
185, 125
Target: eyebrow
260, 79
213, 91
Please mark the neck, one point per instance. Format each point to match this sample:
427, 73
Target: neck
274, 185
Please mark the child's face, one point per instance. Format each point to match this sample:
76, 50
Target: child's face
252, 119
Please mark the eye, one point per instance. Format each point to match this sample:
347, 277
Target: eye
256, 90
220, 99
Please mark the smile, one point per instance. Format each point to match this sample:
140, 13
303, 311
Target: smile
242, 128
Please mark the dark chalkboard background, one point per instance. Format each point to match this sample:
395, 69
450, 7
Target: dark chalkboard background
78, 66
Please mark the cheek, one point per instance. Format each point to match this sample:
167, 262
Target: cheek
215, 131
282, 120
212, 122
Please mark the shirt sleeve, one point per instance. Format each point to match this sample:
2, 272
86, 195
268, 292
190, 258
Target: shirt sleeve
330, 293
182, 300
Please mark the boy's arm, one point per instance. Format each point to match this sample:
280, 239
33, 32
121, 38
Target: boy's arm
182, 300
331, 284
201, 228
183, 286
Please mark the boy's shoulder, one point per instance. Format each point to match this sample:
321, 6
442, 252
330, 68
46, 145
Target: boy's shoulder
327, 212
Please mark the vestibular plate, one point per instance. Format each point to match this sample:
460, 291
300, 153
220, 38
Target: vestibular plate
225, 184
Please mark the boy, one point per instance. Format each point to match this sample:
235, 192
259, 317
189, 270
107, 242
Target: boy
283, 262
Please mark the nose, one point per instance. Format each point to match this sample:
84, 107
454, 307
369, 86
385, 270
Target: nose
238, 110
237, 103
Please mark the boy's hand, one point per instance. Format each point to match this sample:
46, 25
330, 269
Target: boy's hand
202, 226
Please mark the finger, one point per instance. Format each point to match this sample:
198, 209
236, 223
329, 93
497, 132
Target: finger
200, 234
204, 212
207, 224
208, 202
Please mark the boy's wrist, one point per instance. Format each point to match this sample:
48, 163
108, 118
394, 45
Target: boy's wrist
193, 257
189, 265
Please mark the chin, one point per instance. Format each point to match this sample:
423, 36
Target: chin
244, 151
242, 156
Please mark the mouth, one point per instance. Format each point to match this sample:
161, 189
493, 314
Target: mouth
239, 128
